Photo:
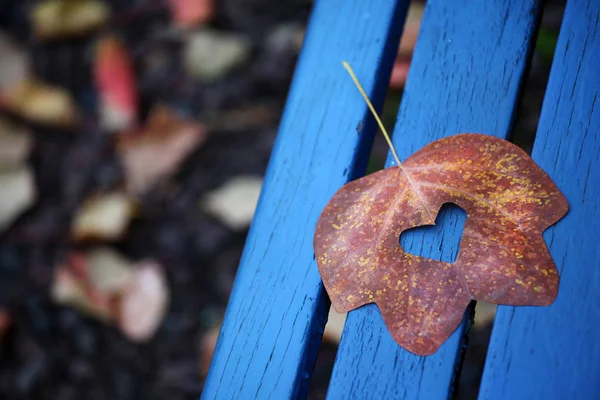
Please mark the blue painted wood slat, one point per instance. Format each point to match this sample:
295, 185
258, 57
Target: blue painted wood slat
465, 76
275, 318
554, 352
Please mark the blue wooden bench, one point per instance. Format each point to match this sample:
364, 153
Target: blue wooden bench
466, 75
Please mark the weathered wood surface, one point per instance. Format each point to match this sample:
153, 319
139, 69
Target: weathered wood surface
554, 352
275, 317
465, 76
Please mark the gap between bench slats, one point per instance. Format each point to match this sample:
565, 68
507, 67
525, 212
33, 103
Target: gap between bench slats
465, 76
554, 352
275, 317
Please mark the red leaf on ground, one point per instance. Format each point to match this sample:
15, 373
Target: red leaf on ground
103, 284
503, 258
92, 282
190, 13
116, 84
399, 73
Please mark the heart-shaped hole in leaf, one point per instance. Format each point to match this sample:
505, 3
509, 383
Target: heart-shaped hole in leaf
439, 242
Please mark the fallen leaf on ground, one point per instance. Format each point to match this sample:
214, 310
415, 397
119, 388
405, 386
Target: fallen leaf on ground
17, 193
40, 103
190, 13
399, 73
17, 182
234, 203
15, 63
116, 83
411, 30
92, 282
144, 302
155, 152
108, 271
104, 216
15, 144
53, 19
210, 54
287, 36
503, 258
68, 290
103, 284
484, 313
407, 46
335, 326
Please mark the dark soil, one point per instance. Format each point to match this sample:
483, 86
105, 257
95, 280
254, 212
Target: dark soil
54, 352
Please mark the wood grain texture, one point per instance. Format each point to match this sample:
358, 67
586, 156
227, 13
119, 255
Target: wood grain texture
464, 77
275, 318
554, 352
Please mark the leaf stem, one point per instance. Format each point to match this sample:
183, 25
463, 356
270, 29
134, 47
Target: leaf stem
364, 95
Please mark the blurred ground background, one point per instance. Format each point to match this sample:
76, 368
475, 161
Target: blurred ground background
133, 140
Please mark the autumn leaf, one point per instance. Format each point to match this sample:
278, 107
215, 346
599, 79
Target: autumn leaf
115, 81
92, 282
104, 284
16, 63
407, 45
144, 302
503, 258
212, 54
190, 13
234, 203
23, 95
41, 103
17, 180
17, 193
54, 19
105, 216
16, 143
154, 152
